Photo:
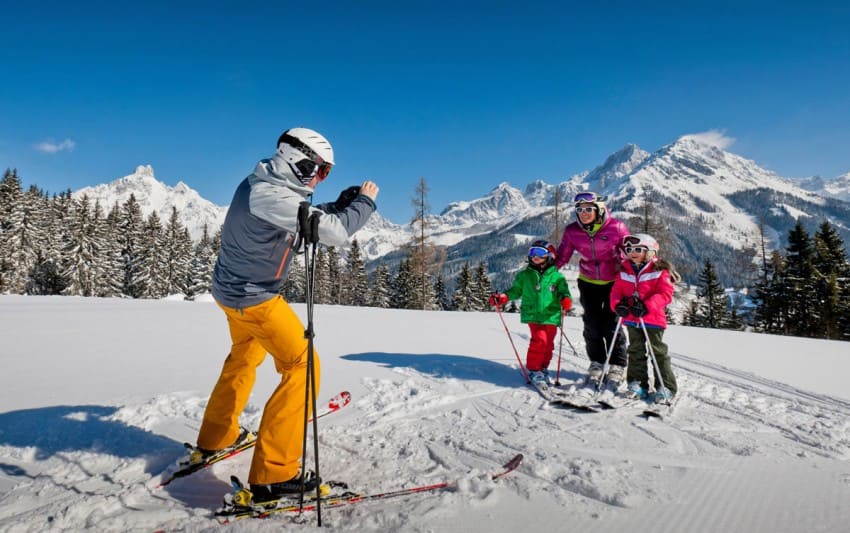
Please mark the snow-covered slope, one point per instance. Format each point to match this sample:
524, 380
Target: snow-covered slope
153, 195
93, 414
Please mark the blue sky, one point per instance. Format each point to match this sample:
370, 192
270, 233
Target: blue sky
464, 94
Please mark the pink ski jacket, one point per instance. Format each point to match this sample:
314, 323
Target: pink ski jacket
653, 287
599, 254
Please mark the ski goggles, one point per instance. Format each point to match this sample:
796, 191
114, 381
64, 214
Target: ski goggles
585, 209
323, 170
636, 249
631, 240
538, 251
589, 197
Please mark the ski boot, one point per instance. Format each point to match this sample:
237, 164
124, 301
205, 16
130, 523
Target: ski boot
663, 395
269, 494
636, 391
615, 378
201, 456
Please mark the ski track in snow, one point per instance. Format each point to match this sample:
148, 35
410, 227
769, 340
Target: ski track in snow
417, 428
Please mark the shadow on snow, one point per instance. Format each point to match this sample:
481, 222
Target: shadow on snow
454, 367
83, 428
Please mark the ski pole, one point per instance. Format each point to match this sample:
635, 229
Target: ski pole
608, 354
560, 349
309, 232
573, 348
651, 353
516, 353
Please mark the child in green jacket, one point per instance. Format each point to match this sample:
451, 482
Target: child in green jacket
545, 296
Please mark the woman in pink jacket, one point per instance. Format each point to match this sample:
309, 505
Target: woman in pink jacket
643, 290
596, 238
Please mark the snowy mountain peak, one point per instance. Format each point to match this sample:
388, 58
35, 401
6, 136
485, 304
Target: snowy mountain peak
152, 195
621, 163
143, 171
502, 200
835, 188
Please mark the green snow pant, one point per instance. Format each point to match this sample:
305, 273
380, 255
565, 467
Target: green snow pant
638, 369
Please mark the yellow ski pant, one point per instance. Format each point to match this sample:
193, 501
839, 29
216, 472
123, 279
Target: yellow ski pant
270, 327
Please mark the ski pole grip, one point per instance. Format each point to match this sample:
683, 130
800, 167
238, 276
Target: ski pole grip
314, 229
303, 226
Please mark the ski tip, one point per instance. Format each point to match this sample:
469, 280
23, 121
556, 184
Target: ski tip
340, 400
513, 463
344, 398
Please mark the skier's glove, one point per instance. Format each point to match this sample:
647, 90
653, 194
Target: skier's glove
346, 197
566, 304
622, 308
497, 299
639, 309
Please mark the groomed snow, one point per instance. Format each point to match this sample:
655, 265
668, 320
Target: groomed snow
99, 395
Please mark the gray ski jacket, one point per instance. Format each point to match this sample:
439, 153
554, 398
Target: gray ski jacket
260, 230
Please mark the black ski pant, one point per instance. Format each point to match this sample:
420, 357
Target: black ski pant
599, 324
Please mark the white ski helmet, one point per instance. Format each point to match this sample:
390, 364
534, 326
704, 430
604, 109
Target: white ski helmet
595, 199
644, 240
307, 152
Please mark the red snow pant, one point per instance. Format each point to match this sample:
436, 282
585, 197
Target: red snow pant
541, 346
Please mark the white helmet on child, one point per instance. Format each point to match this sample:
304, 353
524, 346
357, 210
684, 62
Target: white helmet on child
643, 240
307, 152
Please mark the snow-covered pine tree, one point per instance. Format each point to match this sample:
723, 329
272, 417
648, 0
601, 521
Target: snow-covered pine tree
321, 276
81, 250
711, 307
335, 291
203, 263
401, 289
482, 287
294, 286
440, 295
771, 310
154, 258
358, 283
379, 295
832, 282
102, 261
177, 255
46, 276
112, 264
132, 241
463, 297
11, 219
803, 309
29, 237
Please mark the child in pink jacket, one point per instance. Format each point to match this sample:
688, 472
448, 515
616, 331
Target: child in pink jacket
642, 290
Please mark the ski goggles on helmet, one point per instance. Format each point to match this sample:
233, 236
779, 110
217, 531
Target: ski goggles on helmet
314, 165
589, 197
539, 251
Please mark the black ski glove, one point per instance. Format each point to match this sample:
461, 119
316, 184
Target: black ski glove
639, 308
346, 197
622, 308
